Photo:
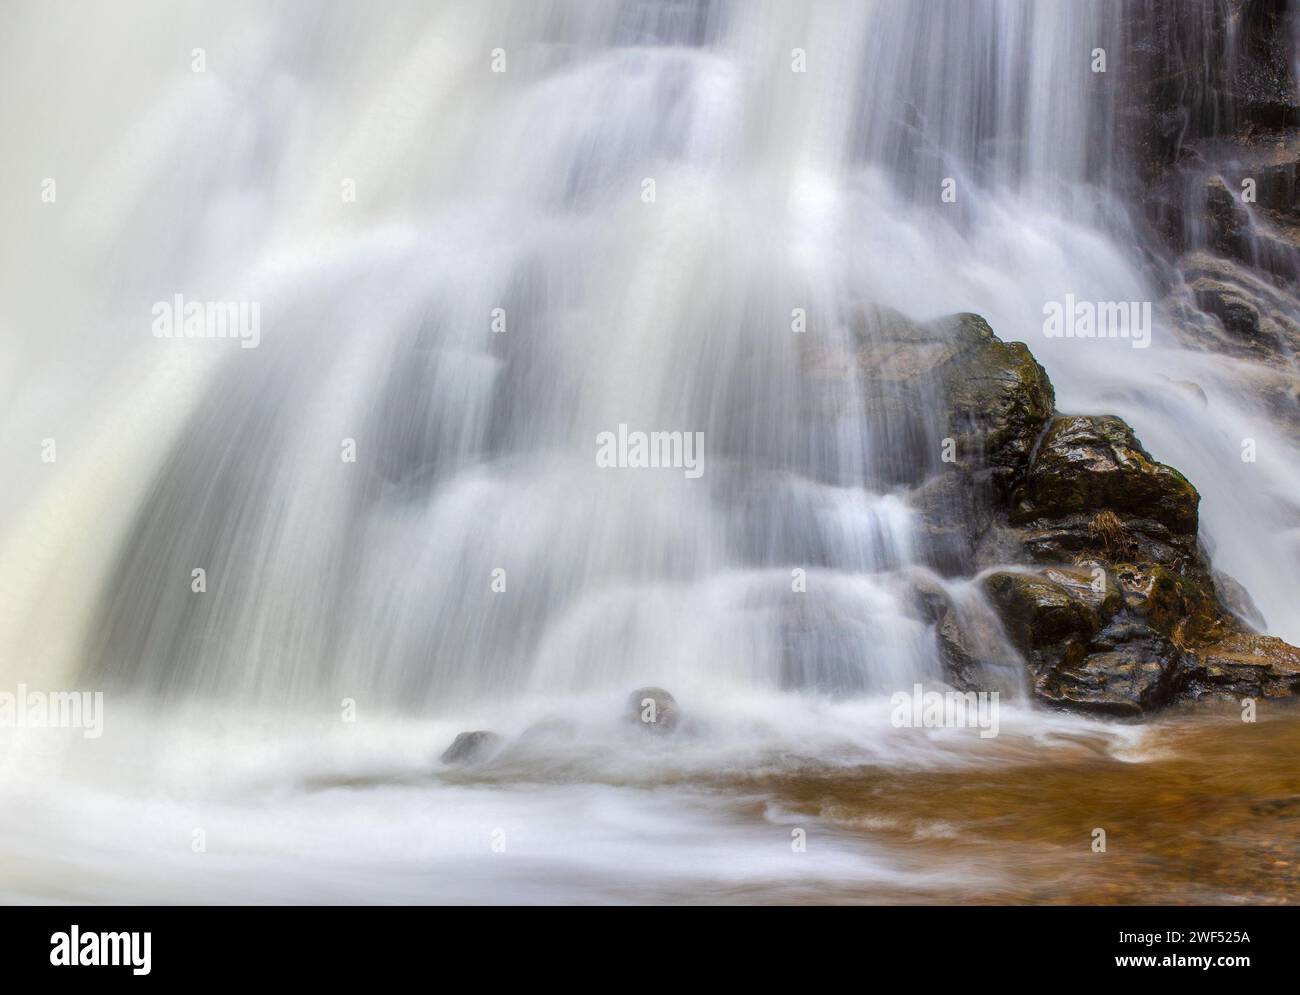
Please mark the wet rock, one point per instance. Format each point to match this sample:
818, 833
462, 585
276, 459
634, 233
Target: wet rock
1228, 220
930, 601
1085, 649
1246, 316
1239, 316
1154, 593
955, 508
1248, 664
1129, 669
1263, 83
947, 379
1040, 614
958, 412
654, 709
968, 638
472, 747
1087, 464
998, 399
973, 653
1237, 600
1121, 613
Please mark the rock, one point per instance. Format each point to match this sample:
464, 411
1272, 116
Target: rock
471, 747
955, 508
1239, 316
998, 398
1245, 328
1263, 81
923, 383
1122, 613
968, 637
1130, 669
1248, 316
1039, 613
1248, 664
1086, 464
1154, 593
1237, 600
1084, 649
974, 653
654, 709
954, 412
1228, 220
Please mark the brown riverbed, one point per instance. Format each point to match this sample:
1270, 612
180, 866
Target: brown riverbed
1209, 813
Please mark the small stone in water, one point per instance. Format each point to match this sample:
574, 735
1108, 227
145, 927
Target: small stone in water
654, 708
471, 747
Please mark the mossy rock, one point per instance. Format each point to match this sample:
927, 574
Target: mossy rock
1154, 593
1086, 464
998, 397
1038, 612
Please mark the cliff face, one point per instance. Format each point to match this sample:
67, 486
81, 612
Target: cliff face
1210, 125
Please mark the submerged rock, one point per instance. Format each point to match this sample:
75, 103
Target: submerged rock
471, 747
654, 709
549, 731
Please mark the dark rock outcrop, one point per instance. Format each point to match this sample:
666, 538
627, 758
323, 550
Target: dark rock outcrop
1210, 124
1114, 606
1090, 545
1086, 464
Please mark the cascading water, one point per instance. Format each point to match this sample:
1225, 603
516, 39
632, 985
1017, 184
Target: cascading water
617, 229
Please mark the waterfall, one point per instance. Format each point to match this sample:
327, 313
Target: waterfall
483, 236
522, 194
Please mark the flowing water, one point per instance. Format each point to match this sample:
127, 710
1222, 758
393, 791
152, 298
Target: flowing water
617, 229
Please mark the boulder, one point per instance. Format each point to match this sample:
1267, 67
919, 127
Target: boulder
924, 383
1129, 669
1085, 649
997, 397
471, 747
954, 412
654, 709
1086, 464
1039, 613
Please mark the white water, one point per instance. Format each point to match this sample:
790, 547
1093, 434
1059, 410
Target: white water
371, 580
